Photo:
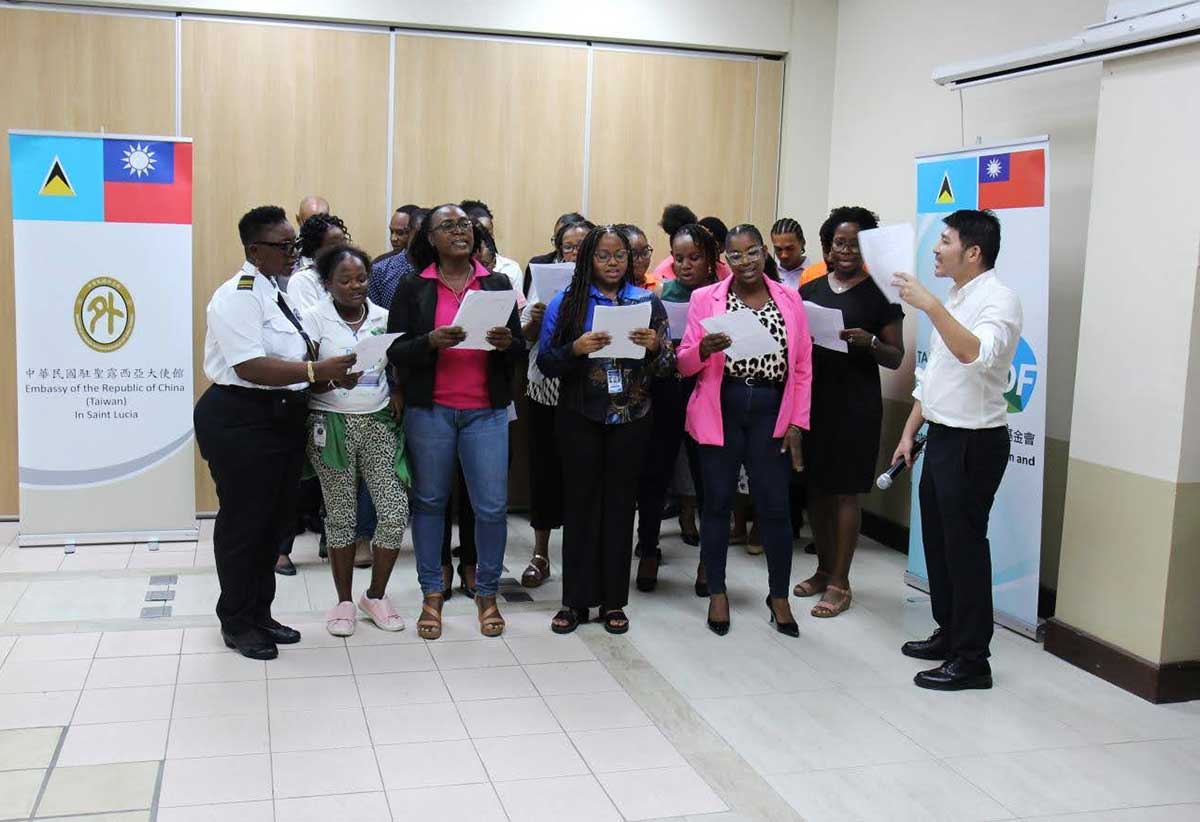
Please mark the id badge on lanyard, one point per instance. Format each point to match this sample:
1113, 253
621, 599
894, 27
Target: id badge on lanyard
616, 380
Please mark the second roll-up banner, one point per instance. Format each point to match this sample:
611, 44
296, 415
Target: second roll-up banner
102, 253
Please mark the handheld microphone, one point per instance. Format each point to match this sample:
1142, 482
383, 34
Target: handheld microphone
886, 479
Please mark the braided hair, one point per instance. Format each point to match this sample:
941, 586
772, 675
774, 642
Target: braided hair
862, 217
786, 225
313, 232
562, 232
422, 253
572, 312
706, 242
769, 267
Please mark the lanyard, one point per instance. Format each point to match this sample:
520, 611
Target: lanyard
308, 343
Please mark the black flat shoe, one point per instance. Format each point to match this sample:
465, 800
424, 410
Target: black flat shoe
956, 675
254, 644
789, 628
615, 622
935, 648
279, 633
572, 619
285, 567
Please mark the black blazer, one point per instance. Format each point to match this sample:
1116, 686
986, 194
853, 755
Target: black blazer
415, 361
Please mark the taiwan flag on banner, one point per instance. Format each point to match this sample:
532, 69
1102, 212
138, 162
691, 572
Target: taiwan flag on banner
1013, 180
147, 182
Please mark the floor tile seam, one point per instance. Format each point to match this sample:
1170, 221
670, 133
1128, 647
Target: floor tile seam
58, 747
370, 734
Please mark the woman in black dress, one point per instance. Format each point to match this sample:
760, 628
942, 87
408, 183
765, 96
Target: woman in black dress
841, 452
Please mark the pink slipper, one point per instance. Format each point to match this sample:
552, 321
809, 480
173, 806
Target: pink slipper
382, 613
341, 619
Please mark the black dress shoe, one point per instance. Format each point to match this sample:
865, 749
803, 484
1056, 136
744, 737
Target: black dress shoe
254, 644
280, 634
936, 647
285, 567
956, 675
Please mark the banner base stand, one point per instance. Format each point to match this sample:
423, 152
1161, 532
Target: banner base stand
71, 541
1017, 626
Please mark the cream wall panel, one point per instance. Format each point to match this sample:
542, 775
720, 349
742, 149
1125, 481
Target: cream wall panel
767, 117
278, 112
70, 72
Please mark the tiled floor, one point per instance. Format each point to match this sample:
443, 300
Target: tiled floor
106, 715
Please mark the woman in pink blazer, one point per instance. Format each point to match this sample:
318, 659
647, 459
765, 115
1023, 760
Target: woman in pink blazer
749, 411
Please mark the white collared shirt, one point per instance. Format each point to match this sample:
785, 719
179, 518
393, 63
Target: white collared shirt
791, 277
971, 395
333, 337
245, 322
305, 289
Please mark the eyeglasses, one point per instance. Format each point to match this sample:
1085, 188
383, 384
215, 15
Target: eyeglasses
570, 248
845, 245
736, 257
288, 247
619, 256
644, 254
449, 226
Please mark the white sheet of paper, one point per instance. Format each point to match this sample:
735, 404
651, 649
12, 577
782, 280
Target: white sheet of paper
481, 311
750, 337
825, 325
549, 279
618, 321
371, 351
887, 250
677, 314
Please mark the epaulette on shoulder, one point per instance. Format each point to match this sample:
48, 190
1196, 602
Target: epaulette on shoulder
246, 283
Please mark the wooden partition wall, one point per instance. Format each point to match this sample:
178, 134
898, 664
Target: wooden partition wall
281, 111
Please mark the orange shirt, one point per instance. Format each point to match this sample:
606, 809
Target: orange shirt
814, 272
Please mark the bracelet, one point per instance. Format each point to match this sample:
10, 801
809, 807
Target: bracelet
312, 377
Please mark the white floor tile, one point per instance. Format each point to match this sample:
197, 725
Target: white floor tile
28, 748
542, 649
507, 717
481, 653
90, 559
402, 724
536, 756
91, 597
35, 710
312, 694
29, 677
18, 792
144, 558
317, 730
220, 699
314, 635
1161, 813
6, 644
114, 742
215, 780
99, 789
203, 641
907, 792
293, 664
488, 683
415, 688
234, 812
578, 798
572, 678
597, 711
627, 749
653, 794
429, 765
140, 643
323, 773
133, 673
451, 803
47, 647
30, 560
10, 592
195, 669
218, 736
391, 659
360, 807
98, 705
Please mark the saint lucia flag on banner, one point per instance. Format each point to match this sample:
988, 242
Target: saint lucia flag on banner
147, 182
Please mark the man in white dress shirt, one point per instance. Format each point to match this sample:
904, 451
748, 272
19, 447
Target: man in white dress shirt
961, 394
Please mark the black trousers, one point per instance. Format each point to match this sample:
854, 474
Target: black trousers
600, 468
545, 469
459, 507
962, 472
669, 400
253, 442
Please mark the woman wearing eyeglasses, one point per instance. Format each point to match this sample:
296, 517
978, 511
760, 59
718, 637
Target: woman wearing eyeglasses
749, 411
545, 463
602, 422
455, 408
847, 410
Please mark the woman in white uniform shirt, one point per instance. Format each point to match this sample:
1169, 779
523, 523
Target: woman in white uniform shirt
353, 435
317, 233
250, 427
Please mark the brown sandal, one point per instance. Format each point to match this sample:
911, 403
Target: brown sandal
429, 624
491, 624
536, 572
825, 610
816, 584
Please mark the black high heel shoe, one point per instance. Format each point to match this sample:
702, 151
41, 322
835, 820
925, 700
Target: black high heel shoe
701, 584
717, 626
789, 628
467, 590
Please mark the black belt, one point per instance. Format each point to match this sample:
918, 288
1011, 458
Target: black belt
757, 382
266, 395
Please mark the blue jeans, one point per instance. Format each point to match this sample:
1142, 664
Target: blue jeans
438, 439
749, 415
366, 519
